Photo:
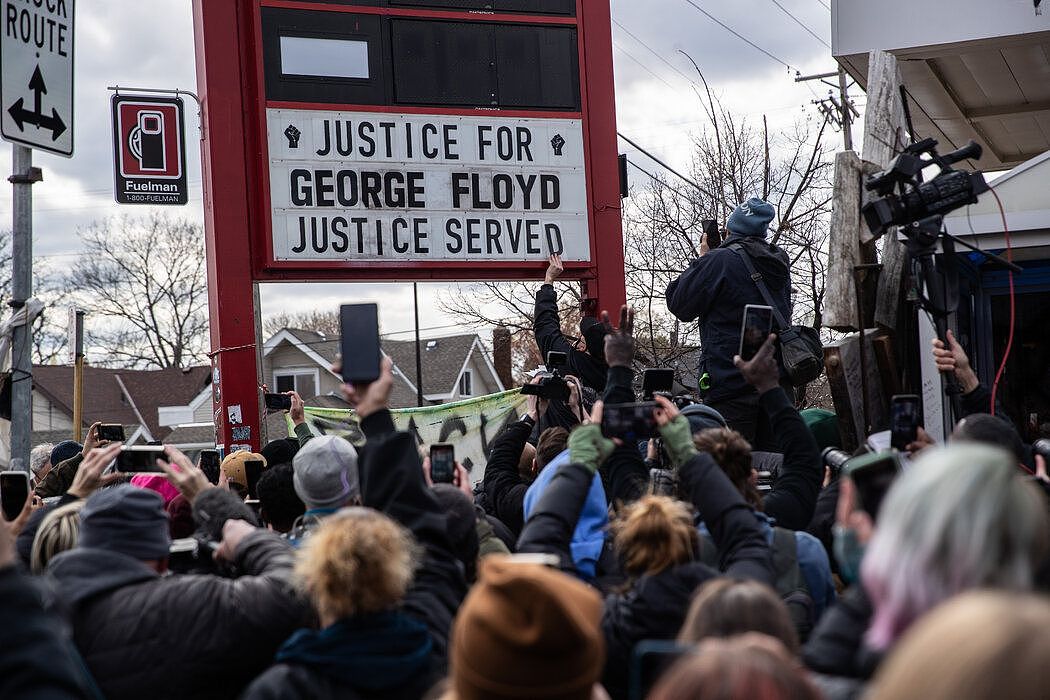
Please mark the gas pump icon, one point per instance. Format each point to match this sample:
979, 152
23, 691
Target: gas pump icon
146, 141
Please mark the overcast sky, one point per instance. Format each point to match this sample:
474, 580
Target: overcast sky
149, 43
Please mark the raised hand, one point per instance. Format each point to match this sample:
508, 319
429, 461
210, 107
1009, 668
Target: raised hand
954, 359
554, 269
189, 479
370, 398
89, 477
619, 342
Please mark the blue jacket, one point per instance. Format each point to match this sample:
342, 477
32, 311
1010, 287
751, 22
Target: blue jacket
715, 289
589, 536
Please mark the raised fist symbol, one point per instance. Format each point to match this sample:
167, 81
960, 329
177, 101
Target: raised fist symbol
292, 135
558, 143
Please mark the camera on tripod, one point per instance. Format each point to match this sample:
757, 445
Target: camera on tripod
552, 385
916, 200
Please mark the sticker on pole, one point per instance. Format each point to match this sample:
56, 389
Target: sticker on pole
36, 65
149, 151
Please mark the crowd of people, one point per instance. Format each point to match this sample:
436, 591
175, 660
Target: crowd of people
585, 563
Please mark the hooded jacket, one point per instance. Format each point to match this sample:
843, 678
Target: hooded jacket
547, 329
715, 289
195, 636
588, 538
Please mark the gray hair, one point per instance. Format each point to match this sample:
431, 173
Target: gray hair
960, 518
39, 457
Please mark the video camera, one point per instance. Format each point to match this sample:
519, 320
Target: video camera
917, 200
552, 385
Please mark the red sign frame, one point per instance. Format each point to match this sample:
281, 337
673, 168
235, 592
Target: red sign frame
230, 78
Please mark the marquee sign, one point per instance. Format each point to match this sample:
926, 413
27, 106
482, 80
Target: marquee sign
381, 187
400, 140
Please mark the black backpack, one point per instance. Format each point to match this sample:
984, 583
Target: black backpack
790, 584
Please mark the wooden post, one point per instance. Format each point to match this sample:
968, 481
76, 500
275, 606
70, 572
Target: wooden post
845, 248
884, 137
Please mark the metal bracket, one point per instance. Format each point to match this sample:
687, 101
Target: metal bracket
158, 91
33, 175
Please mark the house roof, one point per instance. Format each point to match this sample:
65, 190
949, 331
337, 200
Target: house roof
443, 360
105, 400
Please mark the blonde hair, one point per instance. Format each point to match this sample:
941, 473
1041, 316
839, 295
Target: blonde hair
59, 532
358, 561
654, 534
998, 649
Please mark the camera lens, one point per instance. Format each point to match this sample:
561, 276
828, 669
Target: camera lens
836, 459
1042, 447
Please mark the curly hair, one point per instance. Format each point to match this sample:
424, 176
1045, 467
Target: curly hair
654, 534
357, 562
732, 453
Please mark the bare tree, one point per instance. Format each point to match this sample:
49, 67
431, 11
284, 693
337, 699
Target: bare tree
144, 285
732, 160
49, 335
324, 322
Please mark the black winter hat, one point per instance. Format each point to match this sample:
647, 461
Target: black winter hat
128, 520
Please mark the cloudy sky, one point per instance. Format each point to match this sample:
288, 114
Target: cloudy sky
149, 43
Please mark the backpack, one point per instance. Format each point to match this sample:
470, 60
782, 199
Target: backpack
789, 584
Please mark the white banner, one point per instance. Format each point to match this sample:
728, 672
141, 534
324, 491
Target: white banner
373, 186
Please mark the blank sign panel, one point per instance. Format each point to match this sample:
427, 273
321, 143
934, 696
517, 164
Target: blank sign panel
328, 58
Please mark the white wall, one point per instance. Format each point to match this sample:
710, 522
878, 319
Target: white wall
860, 26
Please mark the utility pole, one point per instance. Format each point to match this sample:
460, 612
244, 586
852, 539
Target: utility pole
419, 356
22, 180
76, 354
838, 109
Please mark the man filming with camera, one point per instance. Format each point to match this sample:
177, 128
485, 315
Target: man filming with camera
715, 289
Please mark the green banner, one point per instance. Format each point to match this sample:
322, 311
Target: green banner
469, 425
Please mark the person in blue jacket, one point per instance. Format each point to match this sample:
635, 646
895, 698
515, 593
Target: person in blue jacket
714, 290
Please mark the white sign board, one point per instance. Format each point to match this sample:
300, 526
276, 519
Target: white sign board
36, 63
393, 187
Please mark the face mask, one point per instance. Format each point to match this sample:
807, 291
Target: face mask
849, 553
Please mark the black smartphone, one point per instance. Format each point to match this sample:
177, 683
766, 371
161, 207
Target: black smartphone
210, 464
873, 475
631, 422
556, 360
14, 490
253, 469
139, 458
359, 324
278, 402
111, 432
711, 232
758, 324
650, 659
905, 419
442, 464
656, 379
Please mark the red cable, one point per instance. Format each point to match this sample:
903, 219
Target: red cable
1013, 304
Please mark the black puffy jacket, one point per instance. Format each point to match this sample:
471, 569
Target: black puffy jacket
143, 635
715, 289
836, 647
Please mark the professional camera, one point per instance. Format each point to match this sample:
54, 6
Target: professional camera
552, 385
835, 459
915, 200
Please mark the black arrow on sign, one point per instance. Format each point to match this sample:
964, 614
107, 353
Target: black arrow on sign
37, 118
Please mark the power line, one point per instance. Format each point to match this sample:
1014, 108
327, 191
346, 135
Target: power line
651, 50
737, 34
644, 67
801, 24
825, 5
666, 166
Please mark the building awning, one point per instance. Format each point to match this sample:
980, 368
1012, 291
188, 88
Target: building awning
974, 70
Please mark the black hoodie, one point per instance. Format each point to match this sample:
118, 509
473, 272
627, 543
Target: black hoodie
715, 289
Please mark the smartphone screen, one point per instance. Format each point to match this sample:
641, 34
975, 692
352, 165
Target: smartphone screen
873, 475
139, 458
656, 379
629, 421
210, 464
253, 469
278, 402
14, 490
111, 432
360, 342
442, 464
904, 421
758, 324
